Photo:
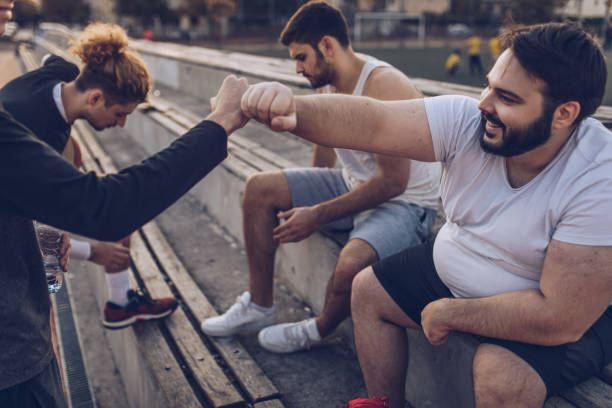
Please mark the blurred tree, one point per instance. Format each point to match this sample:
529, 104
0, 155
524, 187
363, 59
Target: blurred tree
144, 10
271, 12
470, 11
65, 11
531, 12
26, 12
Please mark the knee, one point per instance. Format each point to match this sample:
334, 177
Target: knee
259, 191
344, 273
362, 283
501, 381
488, 388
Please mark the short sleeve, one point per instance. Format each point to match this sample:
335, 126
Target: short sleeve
586, 216
450, 118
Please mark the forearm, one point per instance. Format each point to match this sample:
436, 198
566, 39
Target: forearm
392, 128
524, 316
39, 184
336, 120
369, 194
323, 157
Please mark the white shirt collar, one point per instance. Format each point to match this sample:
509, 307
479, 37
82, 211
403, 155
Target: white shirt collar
57, 97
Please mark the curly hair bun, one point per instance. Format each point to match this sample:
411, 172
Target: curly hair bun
100, 42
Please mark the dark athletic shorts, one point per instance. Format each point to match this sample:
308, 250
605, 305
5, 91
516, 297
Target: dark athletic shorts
411, 280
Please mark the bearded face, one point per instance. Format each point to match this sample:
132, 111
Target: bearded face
516, 140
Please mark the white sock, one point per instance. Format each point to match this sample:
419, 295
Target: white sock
313, 330
266, 310
118, 285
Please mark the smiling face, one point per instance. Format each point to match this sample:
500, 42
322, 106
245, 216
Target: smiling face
6, 13
516, 117
311, 64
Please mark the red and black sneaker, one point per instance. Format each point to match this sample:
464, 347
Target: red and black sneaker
374, 402
138, 307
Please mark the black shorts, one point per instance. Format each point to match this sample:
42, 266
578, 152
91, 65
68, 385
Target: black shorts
411, 280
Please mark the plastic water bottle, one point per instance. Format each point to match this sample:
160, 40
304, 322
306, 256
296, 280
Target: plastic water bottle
50, 242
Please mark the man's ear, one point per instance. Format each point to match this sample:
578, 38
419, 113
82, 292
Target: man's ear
94, 96
327, 46
565, 114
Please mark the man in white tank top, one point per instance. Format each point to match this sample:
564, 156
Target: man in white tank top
387, 203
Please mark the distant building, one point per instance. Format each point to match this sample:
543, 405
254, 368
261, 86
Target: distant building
405, 6
583, 9
102, 10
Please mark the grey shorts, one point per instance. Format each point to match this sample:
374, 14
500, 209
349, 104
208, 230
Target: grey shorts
389, 228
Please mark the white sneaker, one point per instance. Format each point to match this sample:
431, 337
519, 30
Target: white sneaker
242, 317
290, 337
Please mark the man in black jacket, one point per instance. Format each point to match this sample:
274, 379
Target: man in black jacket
36, 183
49, 99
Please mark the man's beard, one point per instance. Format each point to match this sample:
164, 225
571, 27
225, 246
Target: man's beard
517, 141
325, 76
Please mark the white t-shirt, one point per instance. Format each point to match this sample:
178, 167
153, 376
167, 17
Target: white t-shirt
495, 237
423, 187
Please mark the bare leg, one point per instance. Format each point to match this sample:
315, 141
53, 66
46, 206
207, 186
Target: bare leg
503, 379
356, 255
264, 195
380, 338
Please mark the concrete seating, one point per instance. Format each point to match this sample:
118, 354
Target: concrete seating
437, 376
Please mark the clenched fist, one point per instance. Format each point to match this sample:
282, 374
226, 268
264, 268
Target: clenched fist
270, 103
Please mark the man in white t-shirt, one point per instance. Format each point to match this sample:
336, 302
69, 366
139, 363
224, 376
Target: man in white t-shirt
387, 203
523, 260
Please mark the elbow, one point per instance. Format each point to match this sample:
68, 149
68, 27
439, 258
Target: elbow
562, 332
560, 338
396, 187
572, 334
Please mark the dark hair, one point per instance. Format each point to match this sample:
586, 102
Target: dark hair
566, 58
313, 21
110, 66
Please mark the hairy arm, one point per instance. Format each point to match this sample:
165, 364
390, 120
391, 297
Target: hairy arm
575, 289
324, 156
398, 128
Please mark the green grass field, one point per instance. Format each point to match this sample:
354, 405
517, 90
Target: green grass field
429, 63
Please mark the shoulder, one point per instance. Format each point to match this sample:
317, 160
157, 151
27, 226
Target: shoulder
453, 114
388, 83
593, 141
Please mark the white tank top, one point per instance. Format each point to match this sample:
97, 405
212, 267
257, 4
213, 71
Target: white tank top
423, 186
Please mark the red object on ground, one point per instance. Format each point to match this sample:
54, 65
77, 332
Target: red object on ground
375, 402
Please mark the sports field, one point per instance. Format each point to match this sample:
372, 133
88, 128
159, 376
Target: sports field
429, 63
